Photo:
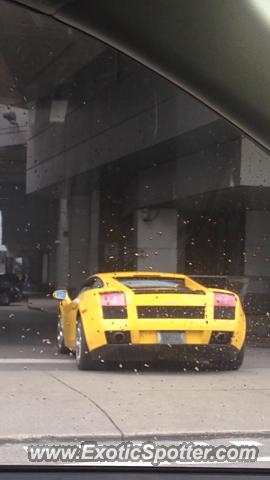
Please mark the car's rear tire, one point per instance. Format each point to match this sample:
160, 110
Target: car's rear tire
4, 299
83, 356
232, 361
60, 338
237, 360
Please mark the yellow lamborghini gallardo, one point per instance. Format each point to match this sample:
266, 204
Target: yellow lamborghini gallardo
128, 315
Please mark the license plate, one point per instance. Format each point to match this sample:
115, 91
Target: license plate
172, 338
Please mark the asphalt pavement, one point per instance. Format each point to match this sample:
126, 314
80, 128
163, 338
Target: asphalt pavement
45, 398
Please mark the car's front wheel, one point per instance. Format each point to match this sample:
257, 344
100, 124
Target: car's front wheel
60, 338
83, 356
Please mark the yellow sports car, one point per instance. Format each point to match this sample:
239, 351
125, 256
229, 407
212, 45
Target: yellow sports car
128, 315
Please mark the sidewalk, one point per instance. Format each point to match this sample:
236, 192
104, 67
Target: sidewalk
55, 404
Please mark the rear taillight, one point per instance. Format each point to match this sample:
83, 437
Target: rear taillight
224, 300
224, 306
113, 299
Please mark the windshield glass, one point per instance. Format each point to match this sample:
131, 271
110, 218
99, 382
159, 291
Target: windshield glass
134, 260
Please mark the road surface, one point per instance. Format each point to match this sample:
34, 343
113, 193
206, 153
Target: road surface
44, 396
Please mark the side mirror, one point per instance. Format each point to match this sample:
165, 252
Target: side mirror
60, 294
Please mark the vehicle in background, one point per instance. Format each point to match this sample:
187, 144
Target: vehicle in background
125, 315
10, 289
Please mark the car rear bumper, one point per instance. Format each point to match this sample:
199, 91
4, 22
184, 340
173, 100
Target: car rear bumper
154, 352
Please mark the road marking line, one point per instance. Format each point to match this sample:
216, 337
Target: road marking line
251, 443
162, 464
263, 459
200, 443
23, 361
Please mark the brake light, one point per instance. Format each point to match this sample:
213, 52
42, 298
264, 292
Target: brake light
113, 299
224, 300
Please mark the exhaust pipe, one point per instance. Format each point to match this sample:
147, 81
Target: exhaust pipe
119, 337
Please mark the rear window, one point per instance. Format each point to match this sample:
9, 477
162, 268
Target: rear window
144, 283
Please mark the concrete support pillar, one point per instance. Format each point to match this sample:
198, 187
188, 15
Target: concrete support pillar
45, 269
157, 239
94, 219
181, 244
257, 243
77, 244
52, 262
79, 214
62, 242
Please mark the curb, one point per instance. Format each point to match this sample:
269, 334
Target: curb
179, 436
39, 309
42, 309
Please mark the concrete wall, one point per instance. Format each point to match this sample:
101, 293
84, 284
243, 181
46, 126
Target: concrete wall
157, 240
255, 165
13, 126
156, 184
214, 168
133, 111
